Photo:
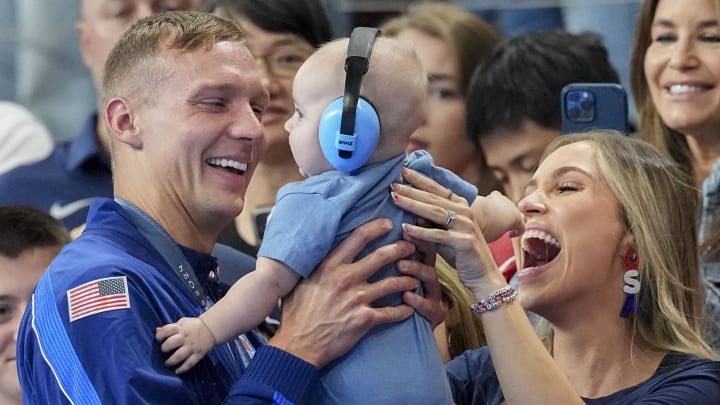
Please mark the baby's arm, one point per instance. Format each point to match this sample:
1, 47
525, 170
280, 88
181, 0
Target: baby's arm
245, 306
496, 214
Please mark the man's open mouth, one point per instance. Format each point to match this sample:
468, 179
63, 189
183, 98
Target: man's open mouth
228, 164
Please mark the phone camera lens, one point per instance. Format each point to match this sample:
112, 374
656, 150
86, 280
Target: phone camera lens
586, 105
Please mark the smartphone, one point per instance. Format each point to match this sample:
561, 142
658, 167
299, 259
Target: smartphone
587, 106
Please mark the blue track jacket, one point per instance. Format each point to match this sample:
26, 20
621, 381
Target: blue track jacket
87, 336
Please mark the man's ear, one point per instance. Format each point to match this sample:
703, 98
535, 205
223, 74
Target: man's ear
120, 120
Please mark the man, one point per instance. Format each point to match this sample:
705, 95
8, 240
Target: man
514, 106
29, 240
78, 171
183, 102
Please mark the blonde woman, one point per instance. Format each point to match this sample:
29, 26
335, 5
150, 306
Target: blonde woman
609, 259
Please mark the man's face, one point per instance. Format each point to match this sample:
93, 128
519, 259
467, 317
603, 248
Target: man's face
202, 138
18, 276
104, 21
513, 155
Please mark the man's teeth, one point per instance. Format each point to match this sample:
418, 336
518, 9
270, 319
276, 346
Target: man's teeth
537, 234
233, 164
684, 89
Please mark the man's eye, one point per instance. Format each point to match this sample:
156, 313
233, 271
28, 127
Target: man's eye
215, 103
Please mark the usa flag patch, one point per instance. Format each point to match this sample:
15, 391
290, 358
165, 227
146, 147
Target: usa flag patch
94, 297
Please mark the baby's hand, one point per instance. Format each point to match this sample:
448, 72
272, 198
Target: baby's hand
498, 215
189, 338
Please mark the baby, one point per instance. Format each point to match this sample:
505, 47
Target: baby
397, 363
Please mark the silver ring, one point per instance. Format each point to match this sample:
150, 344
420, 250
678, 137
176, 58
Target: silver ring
450, 219
450, 194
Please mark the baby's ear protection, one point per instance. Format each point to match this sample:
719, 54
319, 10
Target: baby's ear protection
349, 126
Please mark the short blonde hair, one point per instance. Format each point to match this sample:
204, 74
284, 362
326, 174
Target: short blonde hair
132, 67
658, 204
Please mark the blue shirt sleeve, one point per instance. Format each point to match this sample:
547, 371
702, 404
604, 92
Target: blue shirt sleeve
300, 231
422, 162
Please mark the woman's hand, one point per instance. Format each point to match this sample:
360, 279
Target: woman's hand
329, 312
462, 243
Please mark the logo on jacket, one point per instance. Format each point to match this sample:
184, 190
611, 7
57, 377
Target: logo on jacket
61, 211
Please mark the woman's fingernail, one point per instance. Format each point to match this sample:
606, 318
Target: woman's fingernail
394, 196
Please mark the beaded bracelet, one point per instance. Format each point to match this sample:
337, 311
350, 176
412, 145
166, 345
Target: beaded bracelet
493, 301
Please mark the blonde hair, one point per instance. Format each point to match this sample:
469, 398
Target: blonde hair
468, 332
658, 204
470, 37
133, 67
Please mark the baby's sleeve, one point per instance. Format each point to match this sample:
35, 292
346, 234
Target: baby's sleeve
300, 231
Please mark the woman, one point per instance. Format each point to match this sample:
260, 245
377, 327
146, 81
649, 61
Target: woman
596, 212
675, 77
281, 35
450, 43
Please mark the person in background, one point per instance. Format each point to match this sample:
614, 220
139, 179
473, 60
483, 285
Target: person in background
623, 303
23, 138
513, 104
675, 75
29, 240
450, 43
78, 171
183, 101
281, 35
461, 329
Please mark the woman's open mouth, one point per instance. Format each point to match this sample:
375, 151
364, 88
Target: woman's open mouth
539, 248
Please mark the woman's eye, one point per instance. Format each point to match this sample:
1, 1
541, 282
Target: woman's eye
566, 188
444, 93
664, 38
710, 38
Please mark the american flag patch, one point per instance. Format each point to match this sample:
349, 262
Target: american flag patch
105, 294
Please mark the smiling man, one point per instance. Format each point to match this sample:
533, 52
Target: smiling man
183, 103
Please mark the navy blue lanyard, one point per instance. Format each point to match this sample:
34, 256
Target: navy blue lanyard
167, 248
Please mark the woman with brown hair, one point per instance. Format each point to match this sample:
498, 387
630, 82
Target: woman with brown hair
676, 82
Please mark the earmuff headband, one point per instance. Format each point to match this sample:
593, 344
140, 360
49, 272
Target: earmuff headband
357, 63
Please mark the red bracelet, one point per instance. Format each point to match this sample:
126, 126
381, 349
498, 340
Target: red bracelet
493, 301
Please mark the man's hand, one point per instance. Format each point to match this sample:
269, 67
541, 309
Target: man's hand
328, 313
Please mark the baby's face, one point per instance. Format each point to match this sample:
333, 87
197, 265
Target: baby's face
311, 96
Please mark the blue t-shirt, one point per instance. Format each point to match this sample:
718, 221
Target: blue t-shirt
66, 182
393, 364
679, 379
